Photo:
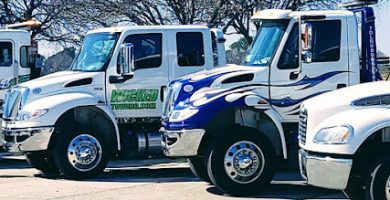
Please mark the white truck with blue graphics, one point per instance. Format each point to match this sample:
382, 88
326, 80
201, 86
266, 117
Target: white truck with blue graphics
109, 103
238, 125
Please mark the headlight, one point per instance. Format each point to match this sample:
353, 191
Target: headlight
28, 115
180, 115
334, 135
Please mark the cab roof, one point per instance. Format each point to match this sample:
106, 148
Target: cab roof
160, 27
287, 14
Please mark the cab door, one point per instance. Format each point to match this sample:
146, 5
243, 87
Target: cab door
141, 95
190, 51
327, 71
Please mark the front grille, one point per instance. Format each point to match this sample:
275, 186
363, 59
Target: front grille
169, 103
302, 126
14, 100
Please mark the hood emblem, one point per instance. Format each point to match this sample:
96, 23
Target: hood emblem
188, 88
37, 91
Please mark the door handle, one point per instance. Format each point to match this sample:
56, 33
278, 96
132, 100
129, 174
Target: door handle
294, 75
341, 85
162, 93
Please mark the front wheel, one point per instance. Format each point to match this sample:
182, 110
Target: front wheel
378, 181
198, 166
81, 154
242, 163
42, 161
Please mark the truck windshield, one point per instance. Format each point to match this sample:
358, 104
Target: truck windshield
266, 42
95, 52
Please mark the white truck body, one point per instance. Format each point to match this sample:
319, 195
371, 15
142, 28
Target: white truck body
336, 163
16, 71
234, 117
100, 94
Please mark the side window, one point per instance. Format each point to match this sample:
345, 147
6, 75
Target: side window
326, 40
190, 49
26, 57
147, 50
6, 54
289, 58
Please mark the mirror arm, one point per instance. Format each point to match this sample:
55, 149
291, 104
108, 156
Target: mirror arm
299, 45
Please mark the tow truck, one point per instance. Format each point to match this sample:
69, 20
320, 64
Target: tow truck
238, 125
345, 138
17, 55
109, 103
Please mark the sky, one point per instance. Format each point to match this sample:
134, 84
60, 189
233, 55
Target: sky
383, 27
382, 12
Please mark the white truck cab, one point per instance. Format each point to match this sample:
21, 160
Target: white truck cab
110, 100
345, 140
238, 125
15, 49
17, 56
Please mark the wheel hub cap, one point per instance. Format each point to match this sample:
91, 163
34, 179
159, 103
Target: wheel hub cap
84, 152
244, 162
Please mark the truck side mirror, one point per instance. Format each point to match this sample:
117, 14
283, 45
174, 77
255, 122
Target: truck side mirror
127, 59
307, 39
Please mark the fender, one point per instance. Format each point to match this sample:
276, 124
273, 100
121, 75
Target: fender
275, 117
58, 104
363, 127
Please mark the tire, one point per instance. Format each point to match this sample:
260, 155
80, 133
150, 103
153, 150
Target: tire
232, 159
198, 166
377, 186
42, 161
83, 151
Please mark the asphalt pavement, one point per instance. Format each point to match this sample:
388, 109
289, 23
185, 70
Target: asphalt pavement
160, 179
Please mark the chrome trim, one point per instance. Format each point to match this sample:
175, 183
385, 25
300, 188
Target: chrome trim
244, 162
326, 172
15, 99
302, 126
349, 127
185, 142
84, 152
33, 139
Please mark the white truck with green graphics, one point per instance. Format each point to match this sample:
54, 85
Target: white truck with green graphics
109, 103
17, 56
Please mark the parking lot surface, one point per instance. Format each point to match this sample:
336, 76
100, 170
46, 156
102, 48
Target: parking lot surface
138, 180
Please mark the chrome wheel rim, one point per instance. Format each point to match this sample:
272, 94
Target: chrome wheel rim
84, 152
244, 162
388, 188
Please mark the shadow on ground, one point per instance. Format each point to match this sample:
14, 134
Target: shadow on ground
287, 185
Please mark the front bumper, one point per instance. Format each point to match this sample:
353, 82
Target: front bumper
181, 143
326, 172
26, 139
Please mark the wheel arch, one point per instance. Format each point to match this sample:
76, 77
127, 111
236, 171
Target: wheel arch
82, 113
261, 122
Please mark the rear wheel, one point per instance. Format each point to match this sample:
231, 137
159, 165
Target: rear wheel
199, 168
42, 161
242, 163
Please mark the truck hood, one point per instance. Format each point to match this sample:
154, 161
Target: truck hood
218, 80
228, 71
344, 97
63, 82
320, 108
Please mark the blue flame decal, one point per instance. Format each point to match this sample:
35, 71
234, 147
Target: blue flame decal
311, 82
286, 102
